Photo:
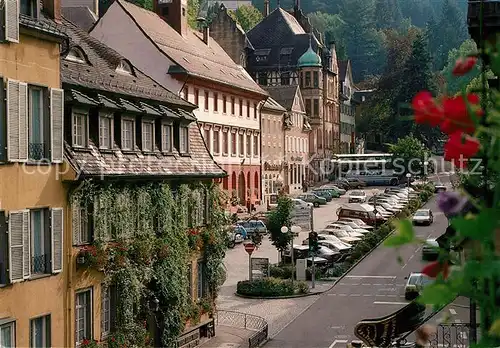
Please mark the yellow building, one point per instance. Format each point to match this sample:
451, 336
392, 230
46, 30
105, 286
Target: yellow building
31, 158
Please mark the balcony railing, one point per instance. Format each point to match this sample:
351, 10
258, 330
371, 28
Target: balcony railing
40, 264
36, 151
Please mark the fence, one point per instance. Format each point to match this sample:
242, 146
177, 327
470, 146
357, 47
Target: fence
455, 335
247, 322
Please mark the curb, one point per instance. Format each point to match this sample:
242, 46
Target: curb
281, 297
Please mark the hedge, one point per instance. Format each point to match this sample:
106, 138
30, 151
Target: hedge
271, 287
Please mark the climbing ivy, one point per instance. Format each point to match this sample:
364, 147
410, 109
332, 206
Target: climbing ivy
142, 247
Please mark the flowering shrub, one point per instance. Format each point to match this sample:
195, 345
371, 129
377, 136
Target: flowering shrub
94, 256
471, 121
195, 239
89, 343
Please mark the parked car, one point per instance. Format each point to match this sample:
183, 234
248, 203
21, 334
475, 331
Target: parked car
439, 188
355, 183
312, 198
414, 285
430, 250
350, 231
299, 204
364, 212
332, 192
423, 217
339, 190
235, 235
357, 197
358, 222
345, 226
253, 226
323, 193
340, 234
331, 238
302, 252
342, 183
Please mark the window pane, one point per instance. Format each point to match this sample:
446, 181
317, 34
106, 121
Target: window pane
183, 139
167, 138
216, 142
105, 132
127, 135
249, 145
7, 336
38, 241
147, 136
79, 129
241, 144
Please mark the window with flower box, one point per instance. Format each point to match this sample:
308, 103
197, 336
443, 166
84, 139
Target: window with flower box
83, 316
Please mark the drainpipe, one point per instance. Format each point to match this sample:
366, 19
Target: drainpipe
69, 272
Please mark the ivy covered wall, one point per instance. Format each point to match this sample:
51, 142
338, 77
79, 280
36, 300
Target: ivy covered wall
144, 237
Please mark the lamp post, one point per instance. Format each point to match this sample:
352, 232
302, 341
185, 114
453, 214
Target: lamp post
408, 176
375, 193
294, 229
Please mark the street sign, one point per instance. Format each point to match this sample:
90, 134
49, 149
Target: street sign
302, 218
249, 248
260, 267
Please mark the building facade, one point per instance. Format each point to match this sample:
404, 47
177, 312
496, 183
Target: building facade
275, 47
116, 132
347, 108
273, 150
231, 4
32, 214
297, 131
199, 70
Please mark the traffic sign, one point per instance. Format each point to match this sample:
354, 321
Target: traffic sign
249, 248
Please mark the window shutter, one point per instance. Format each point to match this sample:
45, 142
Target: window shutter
56, 124
23, 122
11, 18
76, 223
56, 233
4, 244
3, 118
12, 120
26, 244
16, 246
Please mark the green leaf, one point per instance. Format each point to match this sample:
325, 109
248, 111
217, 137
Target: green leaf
438, 294
405, 235
495, 328
478, 227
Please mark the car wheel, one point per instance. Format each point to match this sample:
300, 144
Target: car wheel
316, 204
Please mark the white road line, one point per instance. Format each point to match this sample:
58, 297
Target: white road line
390, 303
452, 311
337, 341
376, 277
378, 284
342, 294
355, 295
411, 257
366, 284
458, 321
367, 295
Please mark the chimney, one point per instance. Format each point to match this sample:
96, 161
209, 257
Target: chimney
53, 9
202, 23
174, 12
266, 8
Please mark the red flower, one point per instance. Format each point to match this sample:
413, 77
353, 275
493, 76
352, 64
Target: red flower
85, 342
457, 116
433, 269
464, 65
460, 147
426, 110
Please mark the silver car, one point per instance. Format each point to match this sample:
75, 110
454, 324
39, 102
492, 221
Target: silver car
423, 217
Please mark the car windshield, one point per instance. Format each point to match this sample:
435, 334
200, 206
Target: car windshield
357, 193
413, 279
346, 228
421, 213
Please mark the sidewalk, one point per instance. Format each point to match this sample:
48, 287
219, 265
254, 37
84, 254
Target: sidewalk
229, 337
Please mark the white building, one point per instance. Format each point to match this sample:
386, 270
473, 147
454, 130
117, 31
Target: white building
347, 108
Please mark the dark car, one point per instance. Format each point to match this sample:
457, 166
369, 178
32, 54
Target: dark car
323, 193
342, 183
356, 183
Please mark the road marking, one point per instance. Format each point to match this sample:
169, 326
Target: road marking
378, 284
337, 341
376, 277
411, 257
452, 311
342, 294
367, 295
366, 284
458, 321
390, 303
338, 327
355, 294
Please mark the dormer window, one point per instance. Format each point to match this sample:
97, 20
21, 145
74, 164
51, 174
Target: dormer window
147, 136
75, 55
29, 8
128, 133
105, 131
124, 68
183, 139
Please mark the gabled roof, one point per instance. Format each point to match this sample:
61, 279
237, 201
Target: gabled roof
81, 16
275, 29
190, 53
99, 72
223, 10
272, 104
284, 95
342, 69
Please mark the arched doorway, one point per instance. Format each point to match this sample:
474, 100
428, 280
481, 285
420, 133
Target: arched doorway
234, 182
241, 188
225, 183
256, 185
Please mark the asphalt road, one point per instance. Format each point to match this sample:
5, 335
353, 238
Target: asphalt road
374, 288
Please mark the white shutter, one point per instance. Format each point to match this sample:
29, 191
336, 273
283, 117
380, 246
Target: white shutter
76, 224
23, 122
56, 234
16, 249
56, 124
11, 12
26, 244
13, 120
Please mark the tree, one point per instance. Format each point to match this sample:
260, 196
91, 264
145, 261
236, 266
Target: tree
247, 16
457, 84
192, 13
419, 11
331, 26
388, 14
409, 154
278, 218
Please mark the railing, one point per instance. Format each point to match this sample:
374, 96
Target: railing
454, 335
40, 264
247, 322
36, 151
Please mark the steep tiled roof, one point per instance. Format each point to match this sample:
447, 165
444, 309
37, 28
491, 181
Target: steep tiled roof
44, 24
100, 71
275, 29
191, 53
118, 164
96, 82
81, 16
284, 95
342, 69
272, 104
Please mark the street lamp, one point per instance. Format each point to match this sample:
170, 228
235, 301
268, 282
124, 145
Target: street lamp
294, 229
375, 193
408, 176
